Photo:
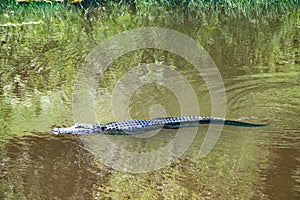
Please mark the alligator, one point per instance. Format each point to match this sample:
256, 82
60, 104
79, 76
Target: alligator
131, 127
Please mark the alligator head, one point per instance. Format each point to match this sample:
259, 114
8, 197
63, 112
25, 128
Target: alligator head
80, 129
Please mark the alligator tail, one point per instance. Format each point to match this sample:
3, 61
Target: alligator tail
228, 122
209, 120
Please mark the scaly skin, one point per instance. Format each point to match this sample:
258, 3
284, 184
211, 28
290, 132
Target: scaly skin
139, 126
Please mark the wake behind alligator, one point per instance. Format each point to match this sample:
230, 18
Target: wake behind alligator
131, 127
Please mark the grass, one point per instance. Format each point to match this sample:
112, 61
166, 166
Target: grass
227, 7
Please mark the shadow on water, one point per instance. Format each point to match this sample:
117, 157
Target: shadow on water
48, 168
282, 179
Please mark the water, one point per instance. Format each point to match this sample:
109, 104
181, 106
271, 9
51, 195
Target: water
259, 64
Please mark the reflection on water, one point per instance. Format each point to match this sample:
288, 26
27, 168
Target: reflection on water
277, 97
260, 68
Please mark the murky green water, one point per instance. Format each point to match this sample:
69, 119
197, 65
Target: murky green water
258, 59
